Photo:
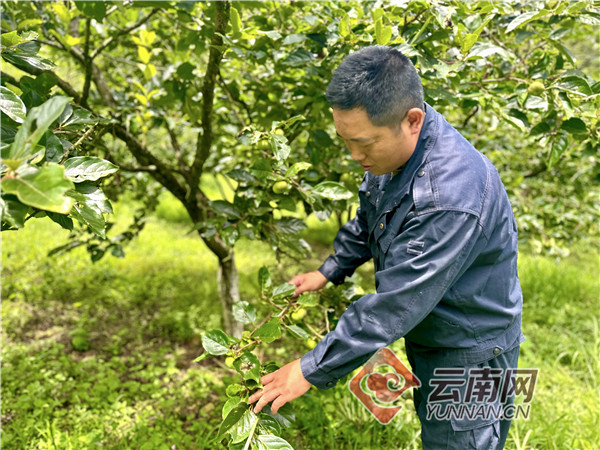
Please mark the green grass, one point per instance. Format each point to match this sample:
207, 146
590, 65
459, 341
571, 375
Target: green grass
101, 354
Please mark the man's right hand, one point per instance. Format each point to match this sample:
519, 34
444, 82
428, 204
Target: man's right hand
310, 281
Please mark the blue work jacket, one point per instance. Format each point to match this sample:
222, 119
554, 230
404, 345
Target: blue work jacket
443, 238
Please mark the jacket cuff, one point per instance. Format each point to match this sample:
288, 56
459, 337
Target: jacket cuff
313, 375
332, 272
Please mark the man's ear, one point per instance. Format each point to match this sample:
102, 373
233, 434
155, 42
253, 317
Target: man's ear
415, 118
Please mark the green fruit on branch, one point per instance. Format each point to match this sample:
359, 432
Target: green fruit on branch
311, 343
347, 179
299, 314
279, 131
536, 88
280, 187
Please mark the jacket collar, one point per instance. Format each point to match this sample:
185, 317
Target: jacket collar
399, 185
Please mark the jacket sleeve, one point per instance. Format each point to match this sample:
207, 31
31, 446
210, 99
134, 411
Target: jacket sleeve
351, 250
423, 261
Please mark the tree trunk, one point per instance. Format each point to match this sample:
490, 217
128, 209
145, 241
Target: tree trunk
229, 293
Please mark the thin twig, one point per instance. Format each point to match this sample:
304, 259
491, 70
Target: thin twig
76, 144
265, 320
127, 30
88, 64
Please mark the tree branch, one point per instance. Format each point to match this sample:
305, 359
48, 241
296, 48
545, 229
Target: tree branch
183, 169
208, 90
231, 100
97, 76
127, 30
10, 79
162, 174
64, 85
536, 171
471, 114
88, 64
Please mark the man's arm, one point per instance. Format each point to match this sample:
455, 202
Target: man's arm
351, 249
408, 288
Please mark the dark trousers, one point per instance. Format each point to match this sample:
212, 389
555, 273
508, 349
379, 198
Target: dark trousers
460, 422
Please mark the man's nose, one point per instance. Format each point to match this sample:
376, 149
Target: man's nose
356, 154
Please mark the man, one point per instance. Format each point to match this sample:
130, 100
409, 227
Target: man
436, 220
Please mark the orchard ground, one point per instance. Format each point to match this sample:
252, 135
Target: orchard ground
102, 354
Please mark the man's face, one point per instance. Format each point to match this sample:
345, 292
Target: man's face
379, 150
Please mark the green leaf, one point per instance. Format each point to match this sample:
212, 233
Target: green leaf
215, 342
12, 211
469, 40
558, 148
270, 423
88, 216
275, 35
63, 220
78, 116
248, 365
535, 102
269, 331
90, 168
11, 105
236, 22
280, 148
232, 418
574, 125
293, 39
234, 389
540, 128
264, 279
26, 139
344, 26
290, 225
10, 39
383, 34
54, 148
93, 196
42, 188
297, 168
244, 312
332, 191
204, 355
272, 442
241, 175
224, 208
308, 299
525, 18
242, 429
283, 290
298, 332
94, 9
298, 57
229, 405
575, 84
520, 116
186, 71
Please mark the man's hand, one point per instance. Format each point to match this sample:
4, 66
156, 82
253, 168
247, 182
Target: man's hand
281, 386
311, 281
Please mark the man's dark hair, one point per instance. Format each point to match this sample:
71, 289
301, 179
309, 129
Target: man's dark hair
380, 80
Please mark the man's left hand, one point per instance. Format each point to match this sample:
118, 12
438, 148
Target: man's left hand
280, 387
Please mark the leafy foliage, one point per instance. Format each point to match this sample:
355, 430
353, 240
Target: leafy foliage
286, 316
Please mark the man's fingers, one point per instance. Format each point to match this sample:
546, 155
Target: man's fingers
255, 396
266, 398
268, 378
278, 403
296, 281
